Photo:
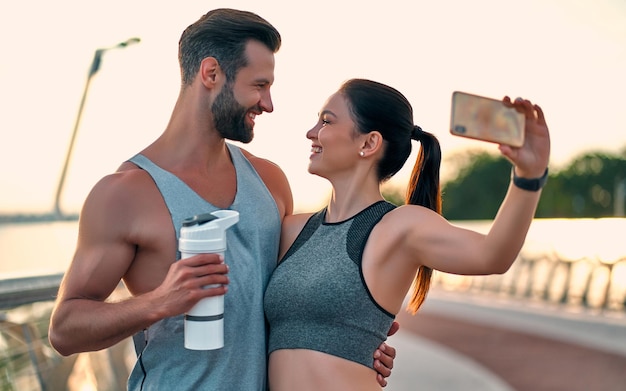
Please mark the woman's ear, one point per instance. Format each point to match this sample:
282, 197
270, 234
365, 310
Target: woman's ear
372, 143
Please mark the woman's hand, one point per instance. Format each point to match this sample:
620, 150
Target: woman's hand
531, 159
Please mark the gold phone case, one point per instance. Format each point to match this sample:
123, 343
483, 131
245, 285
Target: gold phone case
486, 119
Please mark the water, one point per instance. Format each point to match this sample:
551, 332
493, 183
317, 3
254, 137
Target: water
47, 247
36, 248
572, 239
592, 251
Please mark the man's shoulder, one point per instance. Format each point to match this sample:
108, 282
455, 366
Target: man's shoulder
259, 160
125, 187
128, 175
268, 170
275, 180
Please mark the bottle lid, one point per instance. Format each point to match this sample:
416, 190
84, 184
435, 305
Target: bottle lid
199, 219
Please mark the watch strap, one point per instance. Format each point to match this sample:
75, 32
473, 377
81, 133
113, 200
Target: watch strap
530, 184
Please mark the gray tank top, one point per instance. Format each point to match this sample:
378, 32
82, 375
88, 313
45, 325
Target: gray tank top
317, 298
252, 250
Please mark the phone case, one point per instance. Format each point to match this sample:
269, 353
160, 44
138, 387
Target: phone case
486, 119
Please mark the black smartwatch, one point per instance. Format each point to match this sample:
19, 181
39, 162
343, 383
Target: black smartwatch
530, 184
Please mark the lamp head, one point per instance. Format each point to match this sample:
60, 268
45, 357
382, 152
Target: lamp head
129, 41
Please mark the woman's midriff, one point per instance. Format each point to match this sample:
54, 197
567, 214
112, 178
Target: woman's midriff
303, 370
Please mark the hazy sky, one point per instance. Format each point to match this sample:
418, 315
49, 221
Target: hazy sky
568, 56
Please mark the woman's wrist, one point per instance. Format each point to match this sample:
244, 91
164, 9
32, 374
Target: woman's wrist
529, 184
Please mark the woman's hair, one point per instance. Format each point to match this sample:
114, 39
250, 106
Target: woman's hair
376, 106
223, 34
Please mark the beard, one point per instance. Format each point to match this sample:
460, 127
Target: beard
230, 117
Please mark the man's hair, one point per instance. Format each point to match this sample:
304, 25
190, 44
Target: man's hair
223, 34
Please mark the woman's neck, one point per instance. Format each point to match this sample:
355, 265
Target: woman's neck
343, 208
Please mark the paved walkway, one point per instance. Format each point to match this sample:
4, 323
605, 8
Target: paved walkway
425, 365
460, 344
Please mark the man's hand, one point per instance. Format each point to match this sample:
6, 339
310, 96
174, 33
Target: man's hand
185, 283
384, 356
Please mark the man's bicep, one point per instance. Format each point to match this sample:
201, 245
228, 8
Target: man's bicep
103, 253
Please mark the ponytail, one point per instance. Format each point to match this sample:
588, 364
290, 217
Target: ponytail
424, 189
376, 106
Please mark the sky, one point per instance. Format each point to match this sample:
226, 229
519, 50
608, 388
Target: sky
568, 56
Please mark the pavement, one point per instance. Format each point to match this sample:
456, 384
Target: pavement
459, 342
425, 365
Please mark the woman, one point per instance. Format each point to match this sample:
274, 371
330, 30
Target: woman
346, 270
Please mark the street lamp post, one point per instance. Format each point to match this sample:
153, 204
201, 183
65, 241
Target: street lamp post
95, 66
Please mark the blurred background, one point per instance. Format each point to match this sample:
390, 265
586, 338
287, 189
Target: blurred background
567, 56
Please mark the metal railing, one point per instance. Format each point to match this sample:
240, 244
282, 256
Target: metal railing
28, 362
588, 283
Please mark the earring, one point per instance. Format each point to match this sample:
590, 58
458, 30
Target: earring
361, 153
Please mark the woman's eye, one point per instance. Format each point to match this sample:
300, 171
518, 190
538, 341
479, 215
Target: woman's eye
325, 122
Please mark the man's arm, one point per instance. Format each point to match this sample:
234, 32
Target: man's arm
111, 236
384, 356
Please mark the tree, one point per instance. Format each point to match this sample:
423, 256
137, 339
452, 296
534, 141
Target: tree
478, 188
593, 185
394, 194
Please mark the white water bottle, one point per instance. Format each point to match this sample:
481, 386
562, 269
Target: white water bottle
201, 234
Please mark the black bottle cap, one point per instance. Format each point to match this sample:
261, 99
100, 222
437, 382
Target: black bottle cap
199, 219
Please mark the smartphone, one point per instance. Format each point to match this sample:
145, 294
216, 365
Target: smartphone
486, 119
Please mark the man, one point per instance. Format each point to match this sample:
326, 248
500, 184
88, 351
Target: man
131, 219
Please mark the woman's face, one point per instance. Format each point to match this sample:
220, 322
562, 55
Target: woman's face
335, 141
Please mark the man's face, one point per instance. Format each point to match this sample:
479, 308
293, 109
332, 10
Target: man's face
230, 117
236, 106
